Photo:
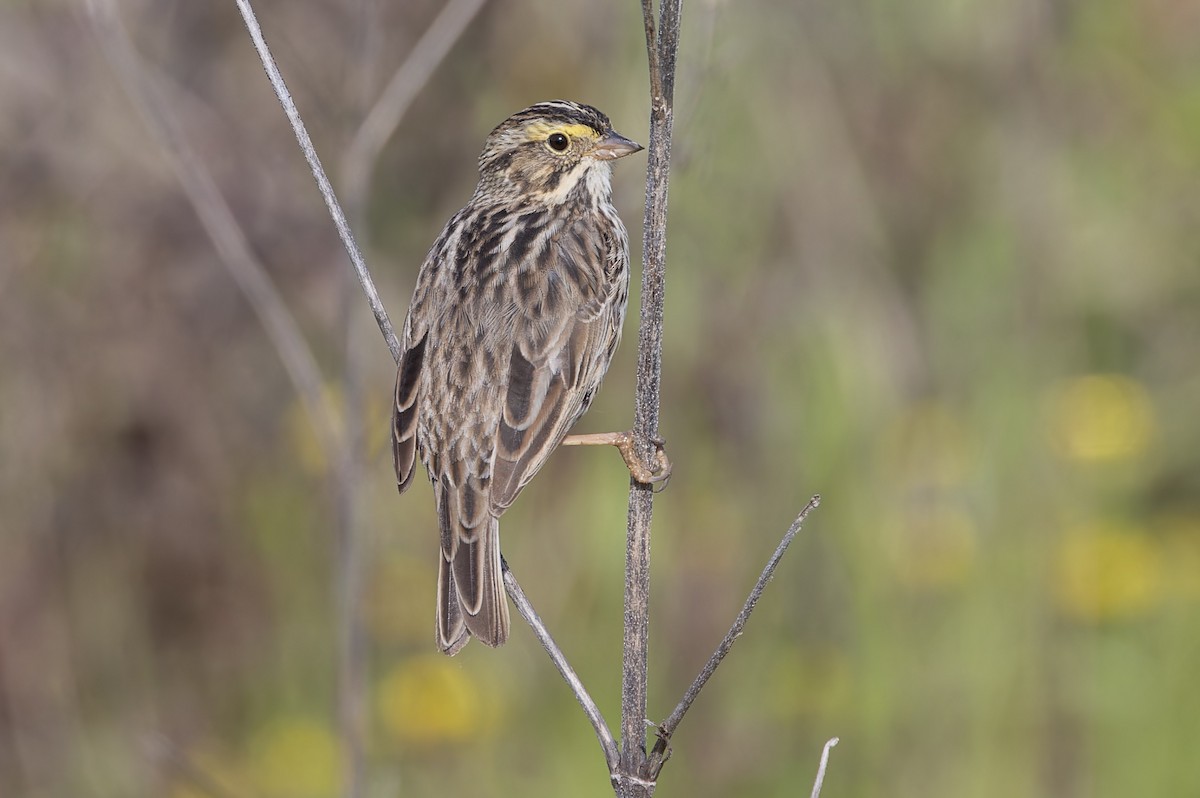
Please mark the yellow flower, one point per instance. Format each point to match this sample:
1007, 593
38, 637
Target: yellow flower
1106, 572
294, 757
1100, 418
429, 699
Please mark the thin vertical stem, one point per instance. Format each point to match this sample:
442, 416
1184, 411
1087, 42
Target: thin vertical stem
661, 47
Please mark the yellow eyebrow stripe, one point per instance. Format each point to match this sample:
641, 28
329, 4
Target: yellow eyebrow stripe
540, 130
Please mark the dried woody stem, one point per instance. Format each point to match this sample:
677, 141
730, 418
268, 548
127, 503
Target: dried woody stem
634, 778
638, 773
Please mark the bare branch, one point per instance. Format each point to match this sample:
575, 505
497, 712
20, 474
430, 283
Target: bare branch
402, 89
816, 790
314, 163
652, 49
668, 726
221, 226
660, 50
607, 743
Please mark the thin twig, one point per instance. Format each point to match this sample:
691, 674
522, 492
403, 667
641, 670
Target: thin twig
607, 742
314, 163
221, 226
816, 790
668, 49
385, 115
652, 49
668, 726
660, 50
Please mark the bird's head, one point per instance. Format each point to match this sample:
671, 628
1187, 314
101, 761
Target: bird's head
550, 152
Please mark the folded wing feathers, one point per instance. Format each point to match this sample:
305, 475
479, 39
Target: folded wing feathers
404, 414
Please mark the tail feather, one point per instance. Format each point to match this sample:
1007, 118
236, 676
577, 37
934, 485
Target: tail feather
478, 577
471, 601
452, 633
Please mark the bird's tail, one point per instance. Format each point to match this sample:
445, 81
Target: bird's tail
471, 601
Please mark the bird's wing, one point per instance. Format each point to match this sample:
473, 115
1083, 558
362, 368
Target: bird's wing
411, 367
566, 333
404, 413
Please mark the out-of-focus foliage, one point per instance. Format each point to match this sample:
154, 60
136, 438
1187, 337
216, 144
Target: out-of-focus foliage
936, 261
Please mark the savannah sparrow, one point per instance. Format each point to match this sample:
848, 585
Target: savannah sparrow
515, 318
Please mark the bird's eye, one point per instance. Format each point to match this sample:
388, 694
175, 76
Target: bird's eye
558, 142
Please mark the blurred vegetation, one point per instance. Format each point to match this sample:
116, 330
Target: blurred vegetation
936, 261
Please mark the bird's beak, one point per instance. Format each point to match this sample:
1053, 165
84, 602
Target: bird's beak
614, 146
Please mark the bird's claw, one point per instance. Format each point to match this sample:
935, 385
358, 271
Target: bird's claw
658, 474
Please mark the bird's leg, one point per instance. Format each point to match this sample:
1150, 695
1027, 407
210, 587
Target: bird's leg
625, 445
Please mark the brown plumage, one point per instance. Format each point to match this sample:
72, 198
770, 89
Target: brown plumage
515, 318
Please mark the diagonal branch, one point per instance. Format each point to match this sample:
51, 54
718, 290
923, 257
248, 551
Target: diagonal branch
326, 188
607, 743
668, 726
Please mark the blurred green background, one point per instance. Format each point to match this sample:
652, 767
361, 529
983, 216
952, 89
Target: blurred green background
937, 261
